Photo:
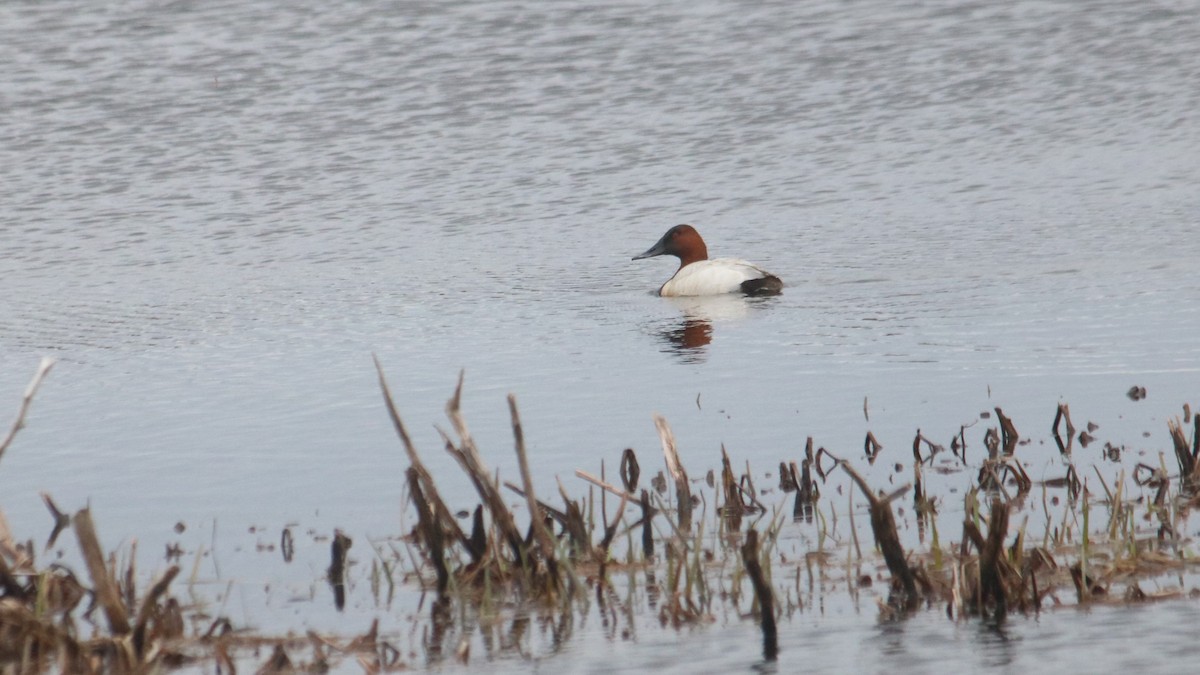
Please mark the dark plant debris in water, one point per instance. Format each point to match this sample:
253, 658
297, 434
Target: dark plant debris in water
697, 547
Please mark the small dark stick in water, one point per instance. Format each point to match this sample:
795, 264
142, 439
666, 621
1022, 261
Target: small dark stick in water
337, 568
762, 591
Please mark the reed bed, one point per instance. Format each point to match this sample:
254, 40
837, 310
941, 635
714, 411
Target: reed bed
670, 548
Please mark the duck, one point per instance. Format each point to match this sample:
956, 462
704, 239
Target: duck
697, 275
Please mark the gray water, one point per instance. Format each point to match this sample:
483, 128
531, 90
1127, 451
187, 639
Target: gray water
213, 214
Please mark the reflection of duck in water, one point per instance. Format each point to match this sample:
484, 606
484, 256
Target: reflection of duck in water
697, 275
693, 331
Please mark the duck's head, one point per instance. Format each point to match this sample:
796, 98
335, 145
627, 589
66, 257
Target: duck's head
681, 241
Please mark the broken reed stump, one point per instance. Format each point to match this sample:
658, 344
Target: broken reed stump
992, 589
683, 492
734, 506
107, 594
440, 513
630, 470
466, 453
1009, 432
338, 550
648, 511
763, 593
533, 555
1000, 586
883, 525
540, 534
430, 530
647, 530
807, 491
1187, 457
1063, 414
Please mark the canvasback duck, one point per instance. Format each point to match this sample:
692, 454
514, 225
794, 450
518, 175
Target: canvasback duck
697, 275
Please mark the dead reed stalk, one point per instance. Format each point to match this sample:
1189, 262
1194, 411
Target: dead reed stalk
466, 453
540, 535
763, 593
883, 525
1187, 457
43, 368
439, 513
103, 583
683, 492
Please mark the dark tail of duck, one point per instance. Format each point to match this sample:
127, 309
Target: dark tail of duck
768, 285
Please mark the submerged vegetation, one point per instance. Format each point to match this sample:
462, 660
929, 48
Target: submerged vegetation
674, 548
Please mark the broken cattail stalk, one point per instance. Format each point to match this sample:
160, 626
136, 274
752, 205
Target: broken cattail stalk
630, 470
807, 490
576, 527
764, 594
647, 531
683, 492
734, 506
107, 594
648, 511
430, 530
883, 525
147, 609
870, 445
1010, 436
544, 541
788, 477
337, 567
610, 531
1189, 461
1063, 414
991, 578
61, 520
440, 512
467, 455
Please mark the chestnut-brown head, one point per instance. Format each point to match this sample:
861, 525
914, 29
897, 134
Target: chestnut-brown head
681, 241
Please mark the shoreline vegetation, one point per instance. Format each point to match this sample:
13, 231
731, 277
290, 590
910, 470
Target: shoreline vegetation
672, 549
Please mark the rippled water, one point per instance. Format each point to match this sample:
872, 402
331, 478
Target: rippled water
214, 213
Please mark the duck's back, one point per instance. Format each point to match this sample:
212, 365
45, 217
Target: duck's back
723, 275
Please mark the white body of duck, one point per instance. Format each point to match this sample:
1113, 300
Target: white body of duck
713, 277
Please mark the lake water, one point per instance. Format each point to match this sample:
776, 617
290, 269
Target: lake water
213, 214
